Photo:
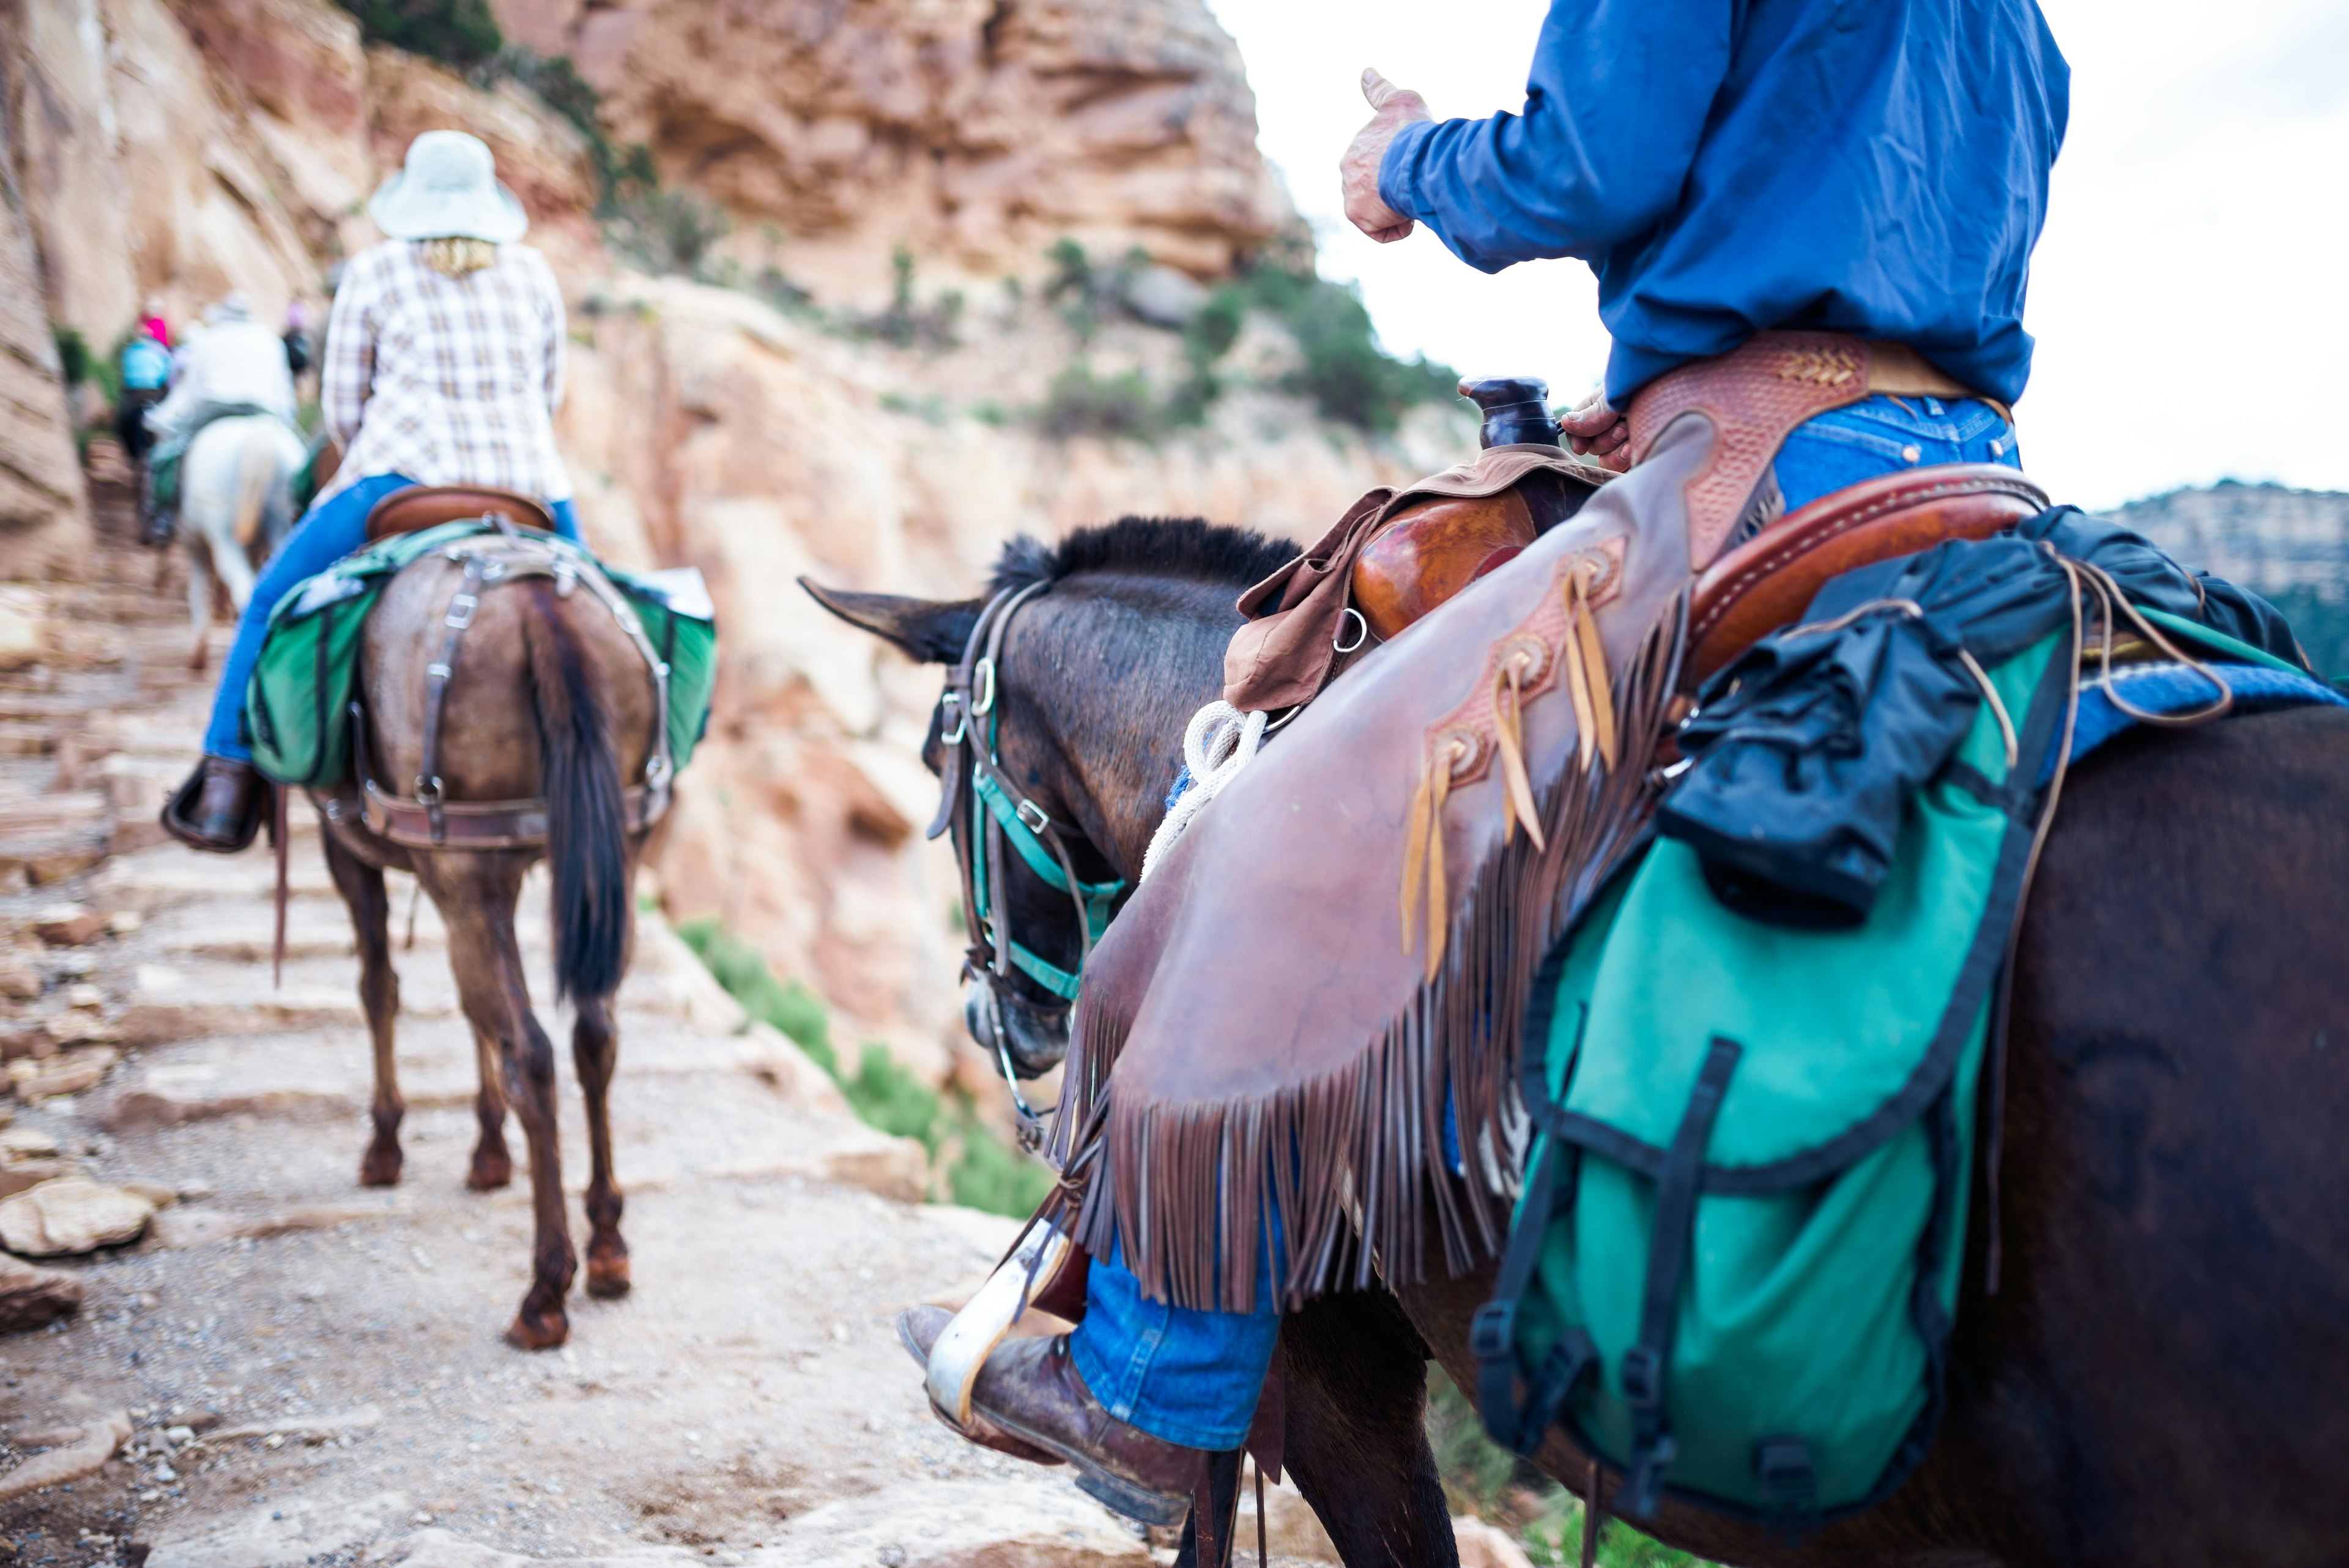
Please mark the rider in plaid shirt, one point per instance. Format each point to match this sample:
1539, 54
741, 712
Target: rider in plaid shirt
446, 380
443, 366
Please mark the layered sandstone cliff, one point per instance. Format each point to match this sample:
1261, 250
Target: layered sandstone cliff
180, 147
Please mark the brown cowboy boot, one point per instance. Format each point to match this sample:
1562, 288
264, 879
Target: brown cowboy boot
226, 807
1030, 1392
918, 1329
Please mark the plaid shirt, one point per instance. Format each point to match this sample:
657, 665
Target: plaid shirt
449, 380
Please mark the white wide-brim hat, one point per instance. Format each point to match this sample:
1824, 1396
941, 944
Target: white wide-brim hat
448, 189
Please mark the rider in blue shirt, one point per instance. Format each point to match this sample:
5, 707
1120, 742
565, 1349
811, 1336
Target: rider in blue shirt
1871, 167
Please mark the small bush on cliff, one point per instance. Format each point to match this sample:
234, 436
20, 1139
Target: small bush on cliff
461, 32
75, 361
1117, 407
1349, 377
665, 231
742, 969
981, 1170
907, 323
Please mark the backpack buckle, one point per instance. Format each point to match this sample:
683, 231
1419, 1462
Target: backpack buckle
1643, 1377
1493, 1332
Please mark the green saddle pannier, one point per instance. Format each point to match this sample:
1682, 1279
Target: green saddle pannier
297, 703
1734, 1266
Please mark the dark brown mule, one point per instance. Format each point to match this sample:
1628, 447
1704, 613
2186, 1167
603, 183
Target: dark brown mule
549, 697
2161, 1373
1100, 674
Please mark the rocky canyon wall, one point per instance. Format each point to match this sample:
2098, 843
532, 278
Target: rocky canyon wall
180, 149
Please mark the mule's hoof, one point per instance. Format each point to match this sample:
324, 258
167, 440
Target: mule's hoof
538, 1332
490, 1172
608, 1277
380, 1168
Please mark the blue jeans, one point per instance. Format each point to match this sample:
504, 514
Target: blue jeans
334, 528
1886, 435
1188, 1375
1191, 1376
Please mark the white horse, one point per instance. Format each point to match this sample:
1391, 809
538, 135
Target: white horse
236, 504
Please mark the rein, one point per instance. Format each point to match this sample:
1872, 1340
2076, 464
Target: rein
1000, 813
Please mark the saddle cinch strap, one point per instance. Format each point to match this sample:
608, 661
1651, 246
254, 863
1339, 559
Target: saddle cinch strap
430, 821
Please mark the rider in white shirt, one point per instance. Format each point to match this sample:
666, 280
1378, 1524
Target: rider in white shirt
235, 362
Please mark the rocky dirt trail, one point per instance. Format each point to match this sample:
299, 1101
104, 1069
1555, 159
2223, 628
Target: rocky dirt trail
313, 1373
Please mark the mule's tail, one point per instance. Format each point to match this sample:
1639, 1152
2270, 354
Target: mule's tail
586, 820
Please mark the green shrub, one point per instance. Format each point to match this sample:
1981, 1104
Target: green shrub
742, 969
461, 32
74, 361
887, 1096
1209, 335
664, 231
1080, 403
985, 1173
992, 1175
1344, 371
1482, 1477
906, 323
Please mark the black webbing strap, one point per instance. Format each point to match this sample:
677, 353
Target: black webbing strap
462, 604
1493, 1332
1653, 1449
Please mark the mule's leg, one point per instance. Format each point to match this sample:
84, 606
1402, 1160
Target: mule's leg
235, 569
492, 1166
594, 1048
361, 885
200, 610
476, 891
1355, 1432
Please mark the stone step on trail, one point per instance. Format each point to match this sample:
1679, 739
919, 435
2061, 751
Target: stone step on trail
167, 874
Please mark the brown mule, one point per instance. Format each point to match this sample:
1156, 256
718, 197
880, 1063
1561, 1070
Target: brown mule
548, 696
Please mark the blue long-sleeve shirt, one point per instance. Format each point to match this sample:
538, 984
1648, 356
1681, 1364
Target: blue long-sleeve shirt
1877, 167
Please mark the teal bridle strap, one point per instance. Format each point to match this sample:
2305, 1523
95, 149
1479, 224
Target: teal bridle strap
1022, 832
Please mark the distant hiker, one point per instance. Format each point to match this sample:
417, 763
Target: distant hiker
297, 338
443, 365
146, 366
151, 323
234, 367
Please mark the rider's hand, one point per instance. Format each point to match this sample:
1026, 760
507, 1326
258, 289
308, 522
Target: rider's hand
1593, 429
1357, 171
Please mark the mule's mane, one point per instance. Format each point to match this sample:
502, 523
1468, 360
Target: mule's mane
1183, 547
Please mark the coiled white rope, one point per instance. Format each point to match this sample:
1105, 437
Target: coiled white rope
1217, 743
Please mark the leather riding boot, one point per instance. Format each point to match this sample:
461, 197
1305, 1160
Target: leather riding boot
224, 809
917, 1330
1029, 1390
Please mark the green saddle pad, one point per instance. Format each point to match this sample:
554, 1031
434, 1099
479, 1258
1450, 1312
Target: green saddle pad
297, 703
1734, 1267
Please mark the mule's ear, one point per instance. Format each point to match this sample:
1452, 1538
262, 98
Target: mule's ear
928, 631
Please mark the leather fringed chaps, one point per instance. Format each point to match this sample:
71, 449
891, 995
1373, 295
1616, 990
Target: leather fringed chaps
1157, 1173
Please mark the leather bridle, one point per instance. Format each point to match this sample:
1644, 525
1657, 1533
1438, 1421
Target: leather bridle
1000, 816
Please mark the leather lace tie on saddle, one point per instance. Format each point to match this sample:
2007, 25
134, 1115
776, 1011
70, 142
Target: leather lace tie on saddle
1557, 644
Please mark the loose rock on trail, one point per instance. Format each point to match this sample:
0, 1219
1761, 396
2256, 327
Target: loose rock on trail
311, 1373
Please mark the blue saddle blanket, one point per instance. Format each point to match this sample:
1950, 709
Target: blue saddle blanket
2169, 688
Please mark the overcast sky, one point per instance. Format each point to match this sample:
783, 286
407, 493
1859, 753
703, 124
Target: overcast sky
2191, 295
